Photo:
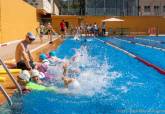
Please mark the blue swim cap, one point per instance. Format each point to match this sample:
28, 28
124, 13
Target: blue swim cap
43, 56
52, 53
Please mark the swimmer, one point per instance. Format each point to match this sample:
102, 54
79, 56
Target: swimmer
43, 64
36, 76
53, 58
27, 85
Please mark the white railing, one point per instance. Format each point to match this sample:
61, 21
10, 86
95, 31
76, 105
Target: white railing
11, 76
6, 95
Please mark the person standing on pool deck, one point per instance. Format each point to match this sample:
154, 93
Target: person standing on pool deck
62, 28
103, 29
41, 32
50, 32
23, 57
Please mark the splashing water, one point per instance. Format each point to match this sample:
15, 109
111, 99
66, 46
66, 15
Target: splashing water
78, 34
93, 76
76, 37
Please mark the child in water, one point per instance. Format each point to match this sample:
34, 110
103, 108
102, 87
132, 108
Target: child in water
71, 83
32, 82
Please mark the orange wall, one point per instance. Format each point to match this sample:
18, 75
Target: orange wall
73, 20
133, 23
16, 19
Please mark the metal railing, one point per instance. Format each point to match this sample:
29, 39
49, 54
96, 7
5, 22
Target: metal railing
11, 76
6, 95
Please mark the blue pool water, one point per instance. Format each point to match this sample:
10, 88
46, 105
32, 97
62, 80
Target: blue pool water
159, 38
156, 42
152, 55
111, 83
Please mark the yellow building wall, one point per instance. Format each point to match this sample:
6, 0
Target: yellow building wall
16, 18
133, 23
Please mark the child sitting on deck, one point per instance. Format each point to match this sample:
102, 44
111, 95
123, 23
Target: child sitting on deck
57, 61
32, 82
52, 58
44, 63
52, 66
34, 76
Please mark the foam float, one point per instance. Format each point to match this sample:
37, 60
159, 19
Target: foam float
3, 71
2, 79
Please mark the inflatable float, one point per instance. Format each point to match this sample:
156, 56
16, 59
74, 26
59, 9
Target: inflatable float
2, 79
3, 71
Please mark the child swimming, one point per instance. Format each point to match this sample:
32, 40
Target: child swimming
71, 83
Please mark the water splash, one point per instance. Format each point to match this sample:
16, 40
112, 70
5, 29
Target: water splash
93, 76
78, 34
76, 37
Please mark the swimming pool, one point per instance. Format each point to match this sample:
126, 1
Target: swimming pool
151, 41
112, 83
156, 38
152, 55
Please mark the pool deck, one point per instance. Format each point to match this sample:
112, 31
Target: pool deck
36, 48
9, 48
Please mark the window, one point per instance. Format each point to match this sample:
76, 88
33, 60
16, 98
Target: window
147, 9
139, 7
156, 7
36, 4
164, 8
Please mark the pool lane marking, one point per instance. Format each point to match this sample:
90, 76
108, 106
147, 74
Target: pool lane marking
160, 70
118, 48
157, 48
161, 49
150, 40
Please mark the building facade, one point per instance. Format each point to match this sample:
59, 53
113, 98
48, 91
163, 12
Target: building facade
16, 18
70, 7
100, 7
111, 7
151, 7
47, 6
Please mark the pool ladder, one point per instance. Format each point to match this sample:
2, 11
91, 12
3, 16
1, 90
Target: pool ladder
6, 95
14, 81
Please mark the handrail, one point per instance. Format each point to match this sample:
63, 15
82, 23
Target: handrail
11, 77
6, 95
